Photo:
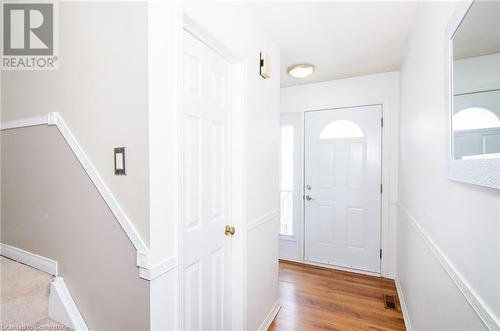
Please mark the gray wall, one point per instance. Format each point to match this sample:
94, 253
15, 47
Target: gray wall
101, 92
51, 208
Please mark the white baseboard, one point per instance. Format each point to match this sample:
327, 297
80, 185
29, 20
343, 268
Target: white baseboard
330, 266
402, 302
62, 308
270, 317
289, 257
28, 258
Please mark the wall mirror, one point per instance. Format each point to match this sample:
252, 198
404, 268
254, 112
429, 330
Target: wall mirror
474, 39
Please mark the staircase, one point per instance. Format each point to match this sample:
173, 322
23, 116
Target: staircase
25, 298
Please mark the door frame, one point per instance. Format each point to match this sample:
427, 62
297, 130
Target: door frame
237, 160
303, 205
390, 133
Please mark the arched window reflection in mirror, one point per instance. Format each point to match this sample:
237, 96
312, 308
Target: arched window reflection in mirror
341, 129
475, 118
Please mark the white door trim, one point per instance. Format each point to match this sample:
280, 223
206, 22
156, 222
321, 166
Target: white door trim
384, 221
389, 166
339, 266
238, 174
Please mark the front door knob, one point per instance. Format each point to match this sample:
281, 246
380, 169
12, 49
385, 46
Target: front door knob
229, 230
308, 198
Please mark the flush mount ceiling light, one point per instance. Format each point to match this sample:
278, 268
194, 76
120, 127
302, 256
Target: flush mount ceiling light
301, 70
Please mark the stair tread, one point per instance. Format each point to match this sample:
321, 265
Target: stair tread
24, 293
20, 279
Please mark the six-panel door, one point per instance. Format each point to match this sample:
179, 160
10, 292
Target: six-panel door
343, 187
206, 249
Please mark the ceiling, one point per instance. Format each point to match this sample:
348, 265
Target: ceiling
342, 39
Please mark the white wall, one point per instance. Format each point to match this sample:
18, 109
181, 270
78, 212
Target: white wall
101, 91
233, 26
443, 226
477, 73
164, 21
357, 91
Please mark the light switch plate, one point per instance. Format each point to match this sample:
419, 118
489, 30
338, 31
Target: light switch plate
120, 161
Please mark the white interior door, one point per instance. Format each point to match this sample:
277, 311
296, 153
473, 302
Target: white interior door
343, 187
206, 188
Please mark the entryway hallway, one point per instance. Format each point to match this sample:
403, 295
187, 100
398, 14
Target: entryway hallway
250, 165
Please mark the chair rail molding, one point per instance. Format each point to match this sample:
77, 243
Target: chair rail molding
147, 269
482, 310
263, 219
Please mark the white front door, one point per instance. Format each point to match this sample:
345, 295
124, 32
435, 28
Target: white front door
206, 188
343, 187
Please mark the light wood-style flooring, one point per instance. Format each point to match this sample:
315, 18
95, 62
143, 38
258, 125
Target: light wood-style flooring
313, 298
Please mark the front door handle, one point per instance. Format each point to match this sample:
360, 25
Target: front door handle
308, 198
229, 230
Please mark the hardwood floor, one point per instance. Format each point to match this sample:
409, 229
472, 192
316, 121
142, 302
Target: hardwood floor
313, 298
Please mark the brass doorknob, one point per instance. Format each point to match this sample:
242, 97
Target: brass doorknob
229, 230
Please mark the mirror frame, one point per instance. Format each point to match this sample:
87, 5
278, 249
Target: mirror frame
483, 172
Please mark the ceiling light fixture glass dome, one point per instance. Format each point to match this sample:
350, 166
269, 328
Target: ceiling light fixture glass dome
301, 70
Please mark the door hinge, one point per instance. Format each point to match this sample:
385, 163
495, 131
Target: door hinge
381, 189
381, 254
382, 122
